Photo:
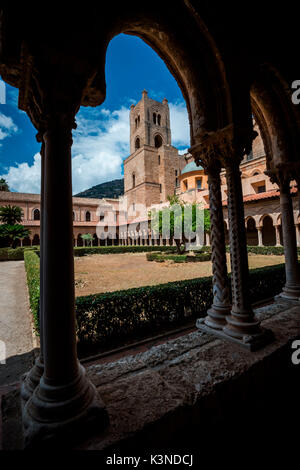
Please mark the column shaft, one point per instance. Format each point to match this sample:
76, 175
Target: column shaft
292, 286
216, 317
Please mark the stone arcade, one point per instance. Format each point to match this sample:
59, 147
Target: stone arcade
58, 68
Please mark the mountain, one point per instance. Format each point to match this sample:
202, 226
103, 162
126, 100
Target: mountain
110, 190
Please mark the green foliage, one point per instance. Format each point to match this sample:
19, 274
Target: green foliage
32, 268
88, 238
13, 254
10, 215
115, 317
184, 219
110, 189
160, 257
12, 233
3, 185
103, 250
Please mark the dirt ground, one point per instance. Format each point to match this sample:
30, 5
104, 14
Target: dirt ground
107, 273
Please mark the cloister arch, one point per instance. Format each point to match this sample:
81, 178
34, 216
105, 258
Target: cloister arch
251, 231
268, 231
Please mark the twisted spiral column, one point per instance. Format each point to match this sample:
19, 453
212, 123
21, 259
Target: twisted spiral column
241, 323
216, 315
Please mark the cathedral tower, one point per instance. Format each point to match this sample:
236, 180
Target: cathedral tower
151, 171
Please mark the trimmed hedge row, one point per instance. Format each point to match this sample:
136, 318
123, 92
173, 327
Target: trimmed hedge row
118, 316
14, 254
32, 268
115, 317
103, 250
161, 257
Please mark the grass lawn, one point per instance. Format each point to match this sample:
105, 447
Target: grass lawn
107, 273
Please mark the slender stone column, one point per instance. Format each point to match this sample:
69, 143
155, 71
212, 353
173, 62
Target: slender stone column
277, 232
259, 233
241, 323
291, 289
65, 401
297, 227
216, 315
31, 380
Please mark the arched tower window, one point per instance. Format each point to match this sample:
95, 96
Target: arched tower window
87, 216
137, 143
154, 118
158, 119
36, 214
158, 141
138, 120
133, 180
73, 215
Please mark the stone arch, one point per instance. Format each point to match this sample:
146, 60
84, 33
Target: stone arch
137, 143
36, 239
36, 214
251, 232
268, 231
277, 117
79, 240
203, 83
158, 141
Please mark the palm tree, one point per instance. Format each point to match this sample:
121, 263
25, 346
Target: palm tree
13, 233
3, 185
10, 215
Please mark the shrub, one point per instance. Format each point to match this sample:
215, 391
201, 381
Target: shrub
160, 257
9, 254
118, 316
103, 250
32, 268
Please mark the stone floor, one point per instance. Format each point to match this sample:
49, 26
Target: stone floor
160, 396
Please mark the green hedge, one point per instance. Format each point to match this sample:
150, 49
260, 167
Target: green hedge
32, 268
104, 250
115, 317
15, 254
161, 257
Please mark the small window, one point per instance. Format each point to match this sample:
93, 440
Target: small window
160, 188
137, 143
158, 141
87, 216
101, 217
261, 189
176, 182
176, 172
158, 119
133, 180
199, 183
154, 118
159, 159
36, 214
73, 216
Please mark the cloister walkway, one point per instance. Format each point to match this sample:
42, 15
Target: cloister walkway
15, 322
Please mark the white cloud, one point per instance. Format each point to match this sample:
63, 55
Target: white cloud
25, 178
100, 143
7, 126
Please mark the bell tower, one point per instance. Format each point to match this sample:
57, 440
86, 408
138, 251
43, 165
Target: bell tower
149, 123
152, 168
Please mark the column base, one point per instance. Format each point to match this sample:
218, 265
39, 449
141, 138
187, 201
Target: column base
290, 293
31, 379
60, 416
216, 317
249, 342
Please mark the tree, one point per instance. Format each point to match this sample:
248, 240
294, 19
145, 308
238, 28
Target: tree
3, 185
184, 219
10, 215
13, 233
88, 238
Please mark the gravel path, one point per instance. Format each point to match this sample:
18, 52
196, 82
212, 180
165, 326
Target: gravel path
15, 323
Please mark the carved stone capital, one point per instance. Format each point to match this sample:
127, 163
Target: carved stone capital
222, 147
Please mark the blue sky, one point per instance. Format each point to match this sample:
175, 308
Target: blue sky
101, 140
